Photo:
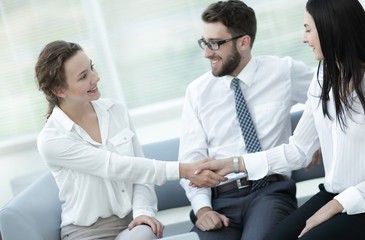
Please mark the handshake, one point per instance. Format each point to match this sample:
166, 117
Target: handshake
207, 172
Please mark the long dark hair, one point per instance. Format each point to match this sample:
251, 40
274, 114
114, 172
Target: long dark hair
50, 71
341, 30
235, 15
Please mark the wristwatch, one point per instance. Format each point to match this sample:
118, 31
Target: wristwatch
236, 167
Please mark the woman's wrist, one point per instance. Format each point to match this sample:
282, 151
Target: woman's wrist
182, 170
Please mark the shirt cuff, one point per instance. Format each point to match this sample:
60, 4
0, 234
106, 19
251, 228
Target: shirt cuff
352, 201
200, 201
172, 170
256, 165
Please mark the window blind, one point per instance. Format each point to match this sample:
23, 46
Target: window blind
145, 51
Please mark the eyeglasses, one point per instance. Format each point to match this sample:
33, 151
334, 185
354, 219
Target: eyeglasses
215, 45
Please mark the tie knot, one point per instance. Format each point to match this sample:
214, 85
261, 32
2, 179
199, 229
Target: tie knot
235, 83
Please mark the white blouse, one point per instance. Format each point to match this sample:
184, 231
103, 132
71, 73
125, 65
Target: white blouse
343, 151
101, 179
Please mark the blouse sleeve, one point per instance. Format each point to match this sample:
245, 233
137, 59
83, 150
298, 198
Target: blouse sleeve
60, 150
287, 157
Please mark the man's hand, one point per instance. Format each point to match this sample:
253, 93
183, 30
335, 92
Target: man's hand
156, 226
326, 212
205, 178
210, 220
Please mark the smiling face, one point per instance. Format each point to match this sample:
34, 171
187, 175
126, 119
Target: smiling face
226, 60
81, 80
311, 36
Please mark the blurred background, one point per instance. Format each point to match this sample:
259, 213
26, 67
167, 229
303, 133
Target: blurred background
145, 52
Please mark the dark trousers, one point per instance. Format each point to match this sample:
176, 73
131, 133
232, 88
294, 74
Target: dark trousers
341, 226
252, 214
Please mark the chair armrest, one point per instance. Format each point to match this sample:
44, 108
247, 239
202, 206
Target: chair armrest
35, 213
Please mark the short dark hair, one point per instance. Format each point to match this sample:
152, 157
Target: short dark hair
235, 15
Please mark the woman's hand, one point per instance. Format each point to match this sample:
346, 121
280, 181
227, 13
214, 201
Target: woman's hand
156, 226
326, 212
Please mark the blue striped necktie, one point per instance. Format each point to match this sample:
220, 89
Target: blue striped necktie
248, 129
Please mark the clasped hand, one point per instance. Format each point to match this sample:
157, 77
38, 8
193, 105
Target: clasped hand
206, 172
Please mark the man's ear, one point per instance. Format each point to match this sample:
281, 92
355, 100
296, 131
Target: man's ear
244, 42
59, 92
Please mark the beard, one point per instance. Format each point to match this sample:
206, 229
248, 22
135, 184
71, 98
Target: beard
233, 60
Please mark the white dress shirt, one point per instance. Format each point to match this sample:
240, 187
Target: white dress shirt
101, 179
210, 127
343, 152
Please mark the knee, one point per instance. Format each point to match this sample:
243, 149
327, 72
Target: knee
140, 232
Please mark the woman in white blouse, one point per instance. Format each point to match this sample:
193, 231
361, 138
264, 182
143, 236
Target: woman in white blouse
333, 120
91, 148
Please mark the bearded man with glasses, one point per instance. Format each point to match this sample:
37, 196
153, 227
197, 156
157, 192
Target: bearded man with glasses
266, 87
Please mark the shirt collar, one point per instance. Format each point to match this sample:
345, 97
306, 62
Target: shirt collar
101, 107
246, 76
62, 118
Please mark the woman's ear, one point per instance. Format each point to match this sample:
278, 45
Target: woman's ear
59, 92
